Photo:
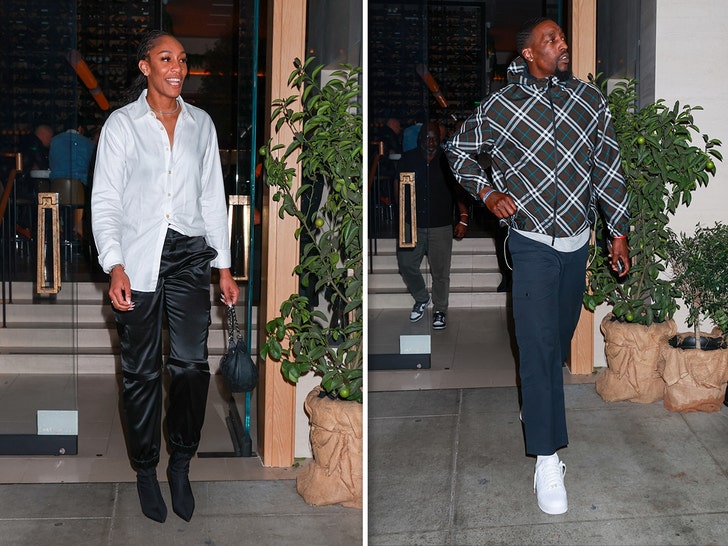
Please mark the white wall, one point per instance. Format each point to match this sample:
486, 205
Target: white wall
302, 445
690, 44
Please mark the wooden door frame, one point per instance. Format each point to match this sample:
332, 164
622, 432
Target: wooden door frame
583, 49
277, 397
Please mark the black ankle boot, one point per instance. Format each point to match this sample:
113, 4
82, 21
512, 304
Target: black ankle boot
150, 496
183, 503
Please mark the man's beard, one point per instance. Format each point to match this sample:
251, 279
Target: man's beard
562, 75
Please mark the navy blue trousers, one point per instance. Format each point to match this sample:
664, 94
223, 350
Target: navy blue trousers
548, 287
183, 295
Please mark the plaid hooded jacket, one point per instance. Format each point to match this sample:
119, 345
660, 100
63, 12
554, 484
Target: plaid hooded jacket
552, 148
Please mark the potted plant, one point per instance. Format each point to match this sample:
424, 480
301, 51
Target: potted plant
662, 167
325, 340
694, 366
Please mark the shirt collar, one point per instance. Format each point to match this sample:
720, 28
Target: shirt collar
141, 108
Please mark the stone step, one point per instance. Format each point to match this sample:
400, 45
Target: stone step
75, 329
28, 311
91, 337
474, 276
79, 293
57, 362
384, 263
469, 244
70, 291
460, 300
459, 281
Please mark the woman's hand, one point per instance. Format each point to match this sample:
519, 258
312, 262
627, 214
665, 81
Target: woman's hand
228, 288
120, 289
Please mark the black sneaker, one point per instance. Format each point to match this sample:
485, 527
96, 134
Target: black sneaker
418, 310
438, 321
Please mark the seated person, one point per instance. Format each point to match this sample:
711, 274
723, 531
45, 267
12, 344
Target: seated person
70, 157
35, 148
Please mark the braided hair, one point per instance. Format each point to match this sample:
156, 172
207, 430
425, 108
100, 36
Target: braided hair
148, 41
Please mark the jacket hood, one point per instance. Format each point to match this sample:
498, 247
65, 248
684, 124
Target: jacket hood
518, 73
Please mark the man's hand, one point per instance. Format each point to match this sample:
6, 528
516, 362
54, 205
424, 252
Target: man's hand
460, 230
500, 204
619, 258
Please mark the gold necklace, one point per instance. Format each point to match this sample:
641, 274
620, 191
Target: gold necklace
165, 113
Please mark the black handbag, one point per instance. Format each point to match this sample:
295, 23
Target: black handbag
238, 370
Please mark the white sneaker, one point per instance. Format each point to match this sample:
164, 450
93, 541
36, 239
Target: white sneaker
418, 309
438, 321
548, 483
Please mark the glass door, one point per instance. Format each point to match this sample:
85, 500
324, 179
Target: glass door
43, 250
427, 71
222, 43
430, 64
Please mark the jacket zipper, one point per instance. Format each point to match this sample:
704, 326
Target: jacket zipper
556, 162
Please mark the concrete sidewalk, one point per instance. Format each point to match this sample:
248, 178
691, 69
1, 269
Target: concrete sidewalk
268, 512
447, 467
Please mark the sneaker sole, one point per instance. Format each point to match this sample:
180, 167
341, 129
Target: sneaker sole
417, 319
553, 512
438, 327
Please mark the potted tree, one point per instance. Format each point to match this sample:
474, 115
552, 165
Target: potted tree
662, 167
694, 365
324, 339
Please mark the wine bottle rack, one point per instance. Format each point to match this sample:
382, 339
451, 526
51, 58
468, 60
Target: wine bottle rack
447, 37
40, 86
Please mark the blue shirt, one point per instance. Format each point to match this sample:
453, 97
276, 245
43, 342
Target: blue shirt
409, 137
70, 156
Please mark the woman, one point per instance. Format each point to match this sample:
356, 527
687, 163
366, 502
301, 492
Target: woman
159, 220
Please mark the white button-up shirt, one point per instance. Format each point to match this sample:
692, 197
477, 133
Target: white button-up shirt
142, 186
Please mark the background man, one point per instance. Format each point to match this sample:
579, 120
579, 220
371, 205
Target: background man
436, 191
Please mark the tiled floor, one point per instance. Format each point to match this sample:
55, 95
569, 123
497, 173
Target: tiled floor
91, 498
101, 449
477, 349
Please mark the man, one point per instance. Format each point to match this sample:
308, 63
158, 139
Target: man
391, 136
36, 147
436, 190
391, 139
34, 150
70, 157
552, 147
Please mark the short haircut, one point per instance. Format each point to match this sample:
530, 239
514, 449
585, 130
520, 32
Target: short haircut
422, 135
524, 33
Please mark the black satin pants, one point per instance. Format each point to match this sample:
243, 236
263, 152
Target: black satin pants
183, 296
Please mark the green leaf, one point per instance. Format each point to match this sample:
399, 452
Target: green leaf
327, 129
275, 349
